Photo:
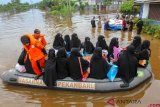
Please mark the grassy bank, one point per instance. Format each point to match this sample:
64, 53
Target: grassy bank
15, 6
151, 28
58, 7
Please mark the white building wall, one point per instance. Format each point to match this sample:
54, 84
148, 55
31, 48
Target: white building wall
92, 2
145, 10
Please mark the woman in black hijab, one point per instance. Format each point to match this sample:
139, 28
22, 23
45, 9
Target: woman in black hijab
114, 42
58, 41
127, 65
102, 43
88, 46
51, 54
75, 41
137, 43
144, 54
145, 50
50, 74
98, 66
62, 64
67, 43
74, 66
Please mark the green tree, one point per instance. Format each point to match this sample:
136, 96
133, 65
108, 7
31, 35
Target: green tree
127, 7
14, 6
58, 7
15, 1
107, 2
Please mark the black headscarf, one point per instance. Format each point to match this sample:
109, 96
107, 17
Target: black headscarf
74, 66
88, 46
127, 64
145, 52
114, 42
62, 64
61, 53
98, 65
102, 43
130, 50
75, 53
58, 41
51, 54
75, 41
97, 54
50, 75
136, 42
67, 43
145, 44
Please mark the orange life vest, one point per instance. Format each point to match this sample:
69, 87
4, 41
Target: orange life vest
42, 39
34, 50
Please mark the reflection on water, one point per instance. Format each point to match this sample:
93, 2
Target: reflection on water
13, 26
50, 98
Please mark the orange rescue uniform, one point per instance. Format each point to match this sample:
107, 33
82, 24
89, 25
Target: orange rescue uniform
34, 51
41, 39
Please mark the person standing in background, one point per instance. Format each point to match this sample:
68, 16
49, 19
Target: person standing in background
93, 22
123, 23
130, 25
139, 26
99, 22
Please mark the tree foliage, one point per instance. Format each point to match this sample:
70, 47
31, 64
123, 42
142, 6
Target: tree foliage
107, 2
58, 7
127, 7
14, 6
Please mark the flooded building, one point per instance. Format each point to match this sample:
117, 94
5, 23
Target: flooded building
149, 9
113, 5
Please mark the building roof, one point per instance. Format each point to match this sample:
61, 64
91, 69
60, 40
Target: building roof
147, 1
99, 1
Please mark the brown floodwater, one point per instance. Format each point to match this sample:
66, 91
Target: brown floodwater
13, 26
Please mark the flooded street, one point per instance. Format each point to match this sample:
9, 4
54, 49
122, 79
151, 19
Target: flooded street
14, 26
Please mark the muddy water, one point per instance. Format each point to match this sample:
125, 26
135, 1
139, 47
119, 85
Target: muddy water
13, 26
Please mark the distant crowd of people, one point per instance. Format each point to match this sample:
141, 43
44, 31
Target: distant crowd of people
67, 57
127, 23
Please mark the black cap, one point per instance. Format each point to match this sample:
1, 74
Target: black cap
24, 40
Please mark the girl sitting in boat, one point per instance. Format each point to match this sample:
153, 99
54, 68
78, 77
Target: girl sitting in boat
144, 54
87, 46
102, 43
50, 74
127, 65
98, 65
137, 44
58, 42
67, 42
113, 44
74, 65
75, 41
62, 64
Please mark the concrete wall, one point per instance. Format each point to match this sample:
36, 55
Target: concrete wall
145, 10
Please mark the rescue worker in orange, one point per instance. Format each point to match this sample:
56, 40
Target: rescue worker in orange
36, 53
39, 36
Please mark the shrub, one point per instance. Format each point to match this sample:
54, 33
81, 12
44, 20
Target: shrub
151, 29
